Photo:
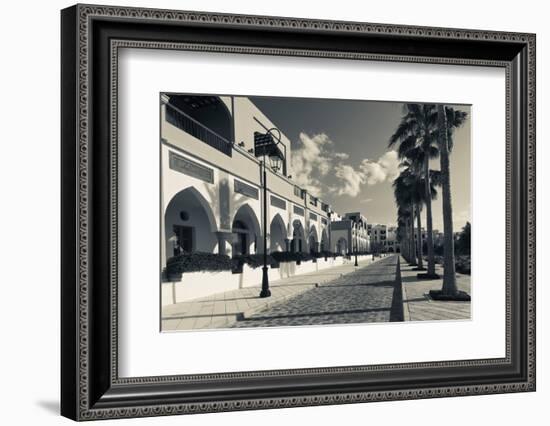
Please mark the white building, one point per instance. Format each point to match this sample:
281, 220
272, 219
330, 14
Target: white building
384, 238
211, 191
352, 232
392, 245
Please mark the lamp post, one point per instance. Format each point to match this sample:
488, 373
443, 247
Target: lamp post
265, 145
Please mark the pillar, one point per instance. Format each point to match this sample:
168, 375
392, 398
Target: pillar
287, 244
225, 243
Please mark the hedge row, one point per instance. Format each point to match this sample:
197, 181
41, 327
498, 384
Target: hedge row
462, 263
200, 261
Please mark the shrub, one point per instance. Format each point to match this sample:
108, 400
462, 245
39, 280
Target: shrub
253, 260
197, 262
462, 264
286, 256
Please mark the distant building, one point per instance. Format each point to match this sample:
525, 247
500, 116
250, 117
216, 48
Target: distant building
378, 237
350, 233
383, 238
392, 245
437, 237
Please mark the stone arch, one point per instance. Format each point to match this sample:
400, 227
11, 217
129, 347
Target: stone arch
277, 234
342, 246
312, 240
189, 223
247, 231
298, 243
324, 246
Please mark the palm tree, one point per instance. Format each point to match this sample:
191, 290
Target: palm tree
448, 120
403, 194
409, 190
417, 130
403, 231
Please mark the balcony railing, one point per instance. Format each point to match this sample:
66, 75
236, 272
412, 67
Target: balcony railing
189, 125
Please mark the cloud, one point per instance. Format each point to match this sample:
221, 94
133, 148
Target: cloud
311, 159
350, 180
341, 155
385, 169
315, 160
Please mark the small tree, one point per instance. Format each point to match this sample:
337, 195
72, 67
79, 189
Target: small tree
463, 244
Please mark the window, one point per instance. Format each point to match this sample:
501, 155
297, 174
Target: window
299, 192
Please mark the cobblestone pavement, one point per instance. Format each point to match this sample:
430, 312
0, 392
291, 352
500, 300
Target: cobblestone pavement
418, 306
370, 294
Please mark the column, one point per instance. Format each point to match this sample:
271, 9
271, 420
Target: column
225, 243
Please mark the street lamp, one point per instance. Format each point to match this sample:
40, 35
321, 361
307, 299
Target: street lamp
266, 145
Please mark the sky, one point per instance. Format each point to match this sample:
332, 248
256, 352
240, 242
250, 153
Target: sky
340, 153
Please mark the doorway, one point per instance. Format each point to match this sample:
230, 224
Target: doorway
184, 239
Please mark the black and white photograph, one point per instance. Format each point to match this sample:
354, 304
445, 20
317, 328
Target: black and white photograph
282, 211
255, 213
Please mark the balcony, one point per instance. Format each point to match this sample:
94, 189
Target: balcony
191, 126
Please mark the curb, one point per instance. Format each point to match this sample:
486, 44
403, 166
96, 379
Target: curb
406, 312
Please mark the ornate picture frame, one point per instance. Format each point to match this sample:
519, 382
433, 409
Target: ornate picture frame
91, 37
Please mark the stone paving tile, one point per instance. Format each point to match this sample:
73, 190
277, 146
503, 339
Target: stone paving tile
202, 322
170, 324
186, 323
365, 295
421, 307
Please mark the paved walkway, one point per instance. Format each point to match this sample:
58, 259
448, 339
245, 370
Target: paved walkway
365, 295
222, 310
418, 306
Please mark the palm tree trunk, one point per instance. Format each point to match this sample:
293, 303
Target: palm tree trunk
407, 245
419, 237
429, 226
412, 245
449, 277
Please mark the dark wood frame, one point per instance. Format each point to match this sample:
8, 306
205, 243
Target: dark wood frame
90, 386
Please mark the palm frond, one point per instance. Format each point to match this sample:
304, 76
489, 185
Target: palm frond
406, 146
